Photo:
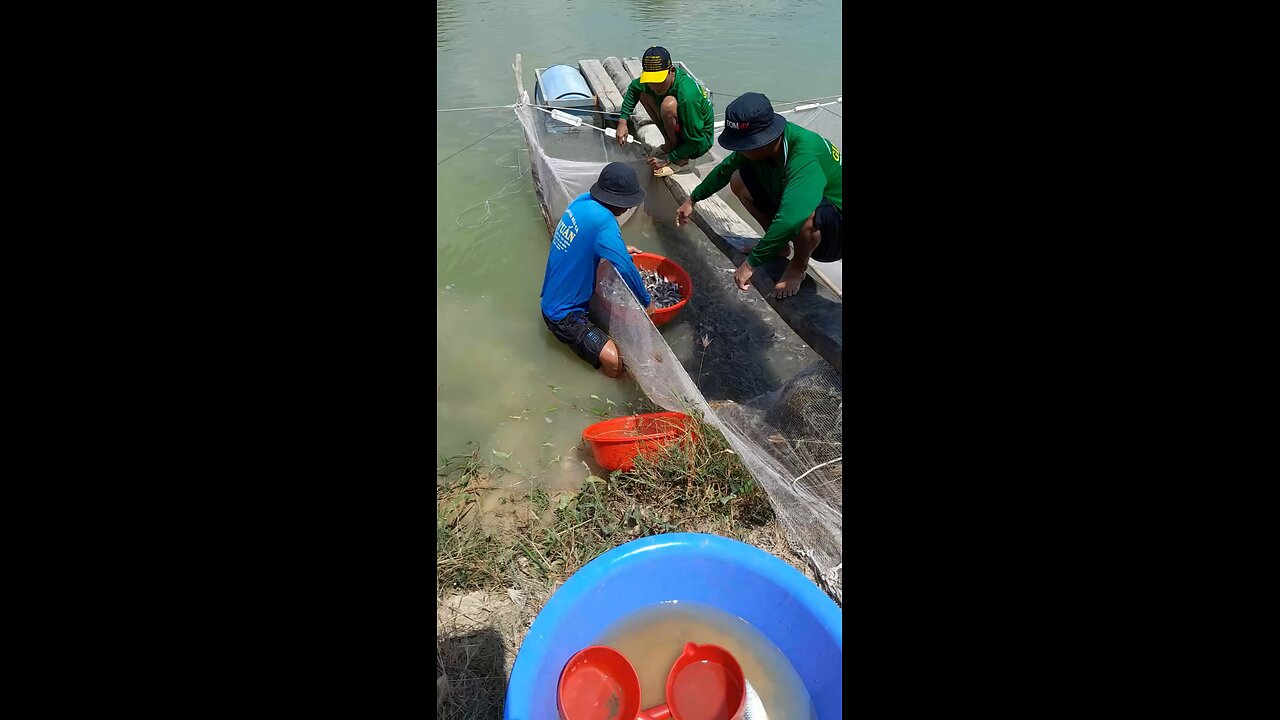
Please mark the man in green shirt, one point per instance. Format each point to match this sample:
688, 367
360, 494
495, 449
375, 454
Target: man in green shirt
677, 105
788, 178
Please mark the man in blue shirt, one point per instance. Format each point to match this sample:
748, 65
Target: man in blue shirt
588, 233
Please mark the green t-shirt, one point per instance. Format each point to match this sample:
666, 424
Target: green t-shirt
810, 171
697, 121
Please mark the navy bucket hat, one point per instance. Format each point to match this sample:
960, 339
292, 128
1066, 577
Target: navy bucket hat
750, 123
618, 186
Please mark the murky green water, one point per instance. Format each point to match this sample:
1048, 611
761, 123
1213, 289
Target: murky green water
496, 362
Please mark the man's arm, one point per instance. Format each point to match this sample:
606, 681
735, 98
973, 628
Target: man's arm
718, 178
800, 197
609, 246
629, 99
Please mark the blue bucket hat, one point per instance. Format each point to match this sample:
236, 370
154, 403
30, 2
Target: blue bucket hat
750, 123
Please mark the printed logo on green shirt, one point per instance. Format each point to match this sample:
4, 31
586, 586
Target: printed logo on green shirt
835, 153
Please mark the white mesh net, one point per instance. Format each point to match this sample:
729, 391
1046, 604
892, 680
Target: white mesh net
567, 161
788, 438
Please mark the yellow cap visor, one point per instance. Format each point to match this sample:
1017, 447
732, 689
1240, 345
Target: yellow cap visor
653, 77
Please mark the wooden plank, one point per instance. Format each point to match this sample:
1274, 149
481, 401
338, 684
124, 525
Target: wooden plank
815, 314
820, 271
621, 79
602, 86
600, 83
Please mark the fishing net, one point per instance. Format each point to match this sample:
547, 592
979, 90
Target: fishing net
566, 160
789, 438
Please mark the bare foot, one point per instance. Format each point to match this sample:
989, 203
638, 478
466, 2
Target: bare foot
790, 283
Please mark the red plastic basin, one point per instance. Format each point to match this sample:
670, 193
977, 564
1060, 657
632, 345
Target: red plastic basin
673, 272
615, 443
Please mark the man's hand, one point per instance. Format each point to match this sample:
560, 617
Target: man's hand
742, 277
683, 212
653, 305
622, 133
634, 250
655, 163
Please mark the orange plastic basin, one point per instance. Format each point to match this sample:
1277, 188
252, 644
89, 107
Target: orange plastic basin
615, 443
673, 272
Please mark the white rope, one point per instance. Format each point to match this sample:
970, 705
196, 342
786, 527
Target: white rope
801, 102
815, 467
607, 112
480, 107
508, 107
784, 112
720, 123
646, 145
574, 109
488, 210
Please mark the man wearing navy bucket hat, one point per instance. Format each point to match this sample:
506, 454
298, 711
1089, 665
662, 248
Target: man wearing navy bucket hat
588, 233
788, 178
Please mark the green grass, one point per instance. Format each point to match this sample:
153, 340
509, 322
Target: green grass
697, 485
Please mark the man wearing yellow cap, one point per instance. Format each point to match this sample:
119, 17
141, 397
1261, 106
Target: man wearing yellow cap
676, 103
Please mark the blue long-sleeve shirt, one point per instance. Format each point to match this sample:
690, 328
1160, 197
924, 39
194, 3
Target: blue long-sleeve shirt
586, 234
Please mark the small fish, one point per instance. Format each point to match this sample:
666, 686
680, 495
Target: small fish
753, 708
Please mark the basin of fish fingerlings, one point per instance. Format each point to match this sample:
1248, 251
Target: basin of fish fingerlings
666, 270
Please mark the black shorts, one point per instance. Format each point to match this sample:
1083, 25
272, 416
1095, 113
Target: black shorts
826, 217
828, 221
578, 332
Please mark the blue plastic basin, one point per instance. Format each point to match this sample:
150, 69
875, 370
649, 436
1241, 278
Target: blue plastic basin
743, 580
